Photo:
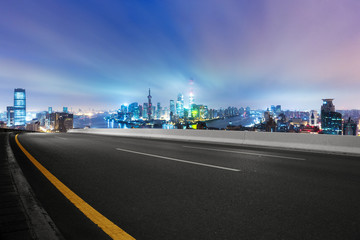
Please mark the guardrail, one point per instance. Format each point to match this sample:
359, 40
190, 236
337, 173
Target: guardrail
310, 142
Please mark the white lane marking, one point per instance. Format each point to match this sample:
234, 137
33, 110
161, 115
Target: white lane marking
61, 138
248, 153
179, 160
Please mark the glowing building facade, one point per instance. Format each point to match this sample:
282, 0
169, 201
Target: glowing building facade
180, 105
331, 121
19, 107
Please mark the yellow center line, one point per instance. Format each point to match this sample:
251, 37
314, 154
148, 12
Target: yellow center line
105, 224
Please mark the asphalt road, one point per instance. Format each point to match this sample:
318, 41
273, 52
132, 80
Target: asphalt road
156, 189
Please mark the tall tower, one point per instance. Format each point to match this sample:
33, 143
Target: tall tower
19, 107
180, 105
191, 96
331, 121
149, 106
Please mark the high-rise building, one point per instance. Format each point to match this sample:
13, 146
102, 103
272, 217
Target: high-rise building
278, 110
65, 110
19, 107
331, 121
10, 116
158, 111
180, 105
134, 110
140, 110
350, 127
50, 110
172, 110
145, 110
124, 108
149, 106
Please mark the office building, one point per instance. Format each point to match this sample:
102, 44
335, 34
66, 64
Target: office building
150, 109
145, 110
331, 121
19, 107
158, 111
180, 106
124, 108
10, 116
172, 109
350, 127
134, 111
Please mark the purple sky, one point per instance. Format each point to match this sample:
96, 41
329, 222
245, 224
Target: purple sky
101, 54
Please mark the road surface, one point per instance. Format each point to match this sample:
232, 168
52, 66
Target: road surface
155, 189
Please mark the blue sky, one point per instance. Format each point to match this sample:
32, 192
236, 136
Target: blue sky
101, 54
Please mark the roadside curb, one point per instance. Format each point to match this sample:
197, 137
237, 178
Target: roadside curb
40, 223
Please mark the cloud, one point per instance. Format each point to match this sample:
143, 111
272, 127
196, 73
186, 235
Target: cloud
238, 52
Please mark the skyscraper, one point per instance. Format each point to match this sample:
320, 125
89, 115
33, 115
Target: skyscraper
10, 116
124, 108
331, 121
172, 109
149, 106
134, 110
145, 110
180, 105
158, 111
19, 107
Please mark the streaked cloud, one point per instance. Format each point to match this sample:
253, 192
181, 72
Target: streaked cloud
242, 53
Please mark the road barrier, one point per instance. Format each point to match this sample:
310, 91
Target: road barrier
309, 142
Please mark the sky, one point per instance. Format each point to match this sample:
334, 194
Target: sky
101, 54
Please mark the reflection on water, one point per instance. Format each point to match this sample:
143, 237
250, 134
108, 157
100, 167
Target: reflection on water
113, 124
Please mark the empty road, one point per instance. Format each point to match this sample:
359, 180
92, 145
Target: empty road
154, 189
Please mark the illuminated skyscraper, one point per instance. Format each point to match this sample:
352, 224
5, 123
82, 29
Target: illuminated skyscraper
124, 108
19, 107
172, 109
149, 106
180, 105
331, 121
134, 110
145, 110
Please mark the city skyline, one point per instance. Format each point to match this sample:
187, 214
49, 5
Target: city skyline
238, 53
